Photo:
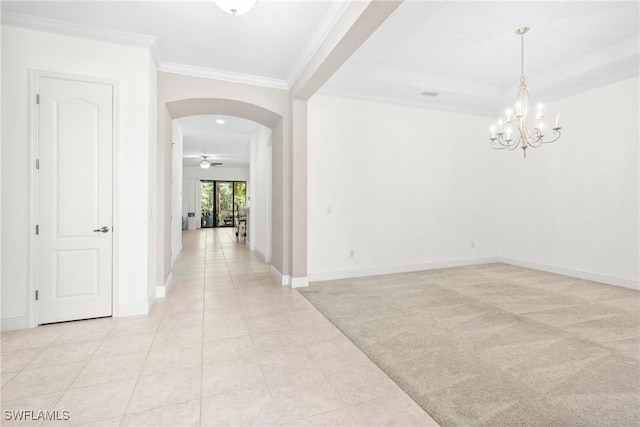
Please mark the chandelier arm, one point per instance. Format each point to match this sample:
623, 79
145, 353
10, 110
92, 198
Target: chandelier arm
499, 147
556, 132
533, 140
516, 142
539, 141
536, 142
496, 144
503, 143
500, 143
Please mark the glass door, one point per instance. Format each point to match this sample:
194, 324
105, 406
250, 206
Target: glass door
206, 204
224, 204
239, 198
219, 202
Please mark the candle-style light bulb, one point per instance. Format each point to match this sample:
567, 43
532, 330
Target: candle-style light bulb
508, 112
493, 131
557, 121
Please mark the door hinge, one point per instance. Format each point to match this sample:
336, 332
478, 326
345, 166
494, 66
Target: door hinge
37, 295
37, 163
37, 230
37, 98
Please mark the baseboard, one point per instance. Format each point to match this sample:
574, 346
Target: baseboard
284, 280
299, 282
136, 309
175, 257
151, 301
161, 291
393, 269
579, 274
262, 256
13, 323
377, 271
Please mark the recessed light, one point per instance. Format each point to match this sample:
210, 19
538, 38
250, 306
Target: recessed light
220, 121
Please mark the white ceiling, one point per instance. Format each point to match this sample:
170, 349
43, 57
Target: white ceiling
465, 51
227, 143
272, 42
469, 53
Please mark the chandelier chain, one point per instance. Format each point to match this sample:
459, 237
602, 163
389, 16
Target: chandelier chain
522, 58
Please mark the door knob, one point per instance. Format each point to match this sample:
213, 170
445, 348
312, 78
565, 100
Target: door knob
104, 229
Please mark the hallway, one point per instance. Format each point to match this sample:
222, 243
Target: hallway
227, 346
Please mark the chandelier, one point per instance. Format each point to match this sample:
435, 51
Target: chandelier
512, 131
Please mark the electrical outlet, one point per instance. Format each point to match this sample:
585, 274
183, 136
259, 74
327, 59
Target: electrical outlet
352, 253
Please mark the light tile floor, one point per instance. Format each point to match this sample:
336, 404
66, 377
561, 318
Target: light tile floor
227, 346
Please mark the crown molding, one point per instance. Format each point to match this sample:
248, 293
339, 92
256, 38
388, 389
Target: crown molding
83, 31
150, 42
399, 100
331, 18
227, 76
154, 49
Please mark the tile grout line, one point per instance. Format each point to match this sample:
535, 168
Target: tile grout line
141, 370
244, 319
30, 362
140, 375
204, 280
79, 371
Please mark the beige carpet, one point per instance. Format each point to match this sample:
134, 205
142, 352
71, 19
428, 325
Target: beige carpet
497, 345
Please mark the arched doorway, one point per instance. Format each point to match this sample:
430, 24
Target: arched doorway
265, 117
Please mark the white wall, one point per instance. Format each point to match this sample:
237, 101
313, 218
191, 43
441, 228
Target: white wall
191, 176
260, 193
22, 50
176, 191
407, 188
154, 215
572, 206
404, 188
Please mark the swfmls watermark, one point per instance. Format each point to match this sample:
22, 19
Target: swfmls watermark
31, 415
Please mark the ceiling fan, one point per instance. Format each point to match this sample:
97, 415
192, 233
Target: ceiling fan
204, 163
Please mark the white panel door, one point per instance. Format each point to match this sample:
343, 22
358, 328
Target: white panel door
75, 142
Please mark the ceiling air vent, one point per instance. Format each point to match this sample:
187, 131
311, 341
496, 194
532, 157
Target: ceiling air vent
429, 93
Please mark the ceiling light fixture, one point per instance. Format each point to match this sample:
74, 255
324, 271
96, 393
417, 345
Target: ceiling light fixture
503, 135
220, 121
204, 164
236, 7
